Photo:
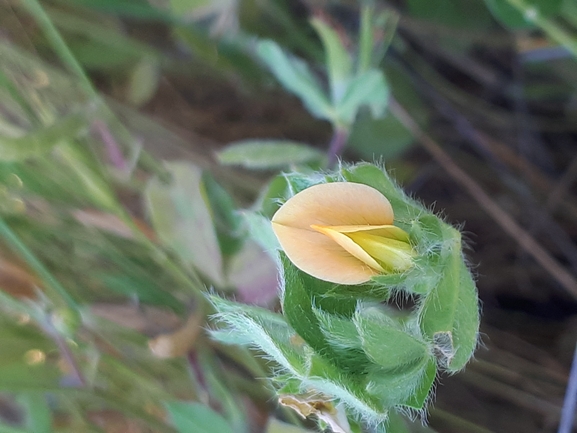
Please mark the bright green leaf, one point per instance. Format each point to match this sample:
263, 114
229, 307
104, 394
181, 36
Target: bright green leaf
297, 306
190, 417
180, 215
267, 154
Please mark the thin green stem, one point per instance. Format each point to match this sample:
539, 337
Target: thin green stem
52, 284
59, 45
548, 26
365, 39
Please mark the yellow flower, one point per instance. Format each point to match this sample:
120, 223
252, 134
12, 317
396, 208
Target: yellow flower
342, 232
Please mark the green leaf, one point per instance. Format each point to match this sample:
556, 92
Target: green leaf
450, 313
339, 64
408, 387
421, 393
38, 413
516, 18
387, 342
296, 77
196, 417
180, 215
261, 329
267, 154
347, 389
43, 140
22, 377
369, 88
227, 221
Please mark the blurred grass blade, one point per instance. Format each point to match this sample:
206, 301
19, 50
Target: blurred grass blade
42, 140
338, 60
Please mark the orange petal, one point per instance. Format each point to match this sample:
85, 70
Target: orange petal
335, 204
320, 256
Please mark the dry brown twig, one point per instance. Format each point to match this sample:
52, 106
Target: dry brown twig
507, 223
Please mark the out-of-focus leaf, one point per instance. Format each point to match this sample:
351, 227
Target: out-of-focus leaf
296, 77
260, 230
338, 60
183, 221
196, 417
23, 377
368, 89
226, 220
375, 137
143, 81
38, 414
267, 154
39, 142
514, 18
254, 273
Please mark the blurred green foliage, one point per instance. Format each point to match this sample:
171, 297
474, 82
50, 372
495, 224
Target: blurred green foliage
111, 248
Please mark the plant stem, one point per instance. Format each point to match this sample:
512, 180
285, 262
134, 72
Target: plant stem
337, 145
43, 20
51, 283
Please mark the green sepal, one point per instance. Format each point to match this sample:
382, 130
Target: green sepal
387, 341
450, 313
